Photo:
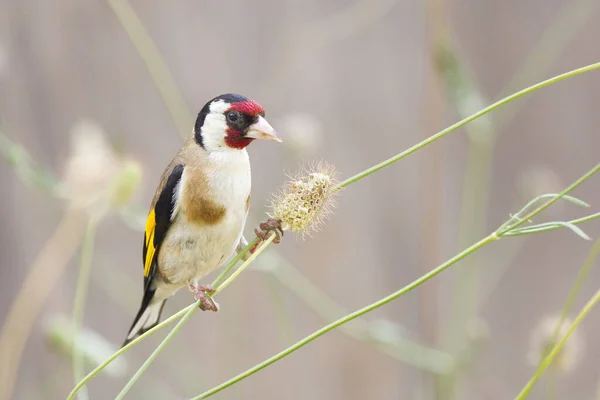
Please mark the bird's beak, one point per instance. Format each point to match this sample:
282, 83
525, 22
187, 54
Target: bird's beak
262, 130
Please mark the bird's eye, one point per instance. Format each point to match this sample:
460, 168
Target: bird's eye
232, 116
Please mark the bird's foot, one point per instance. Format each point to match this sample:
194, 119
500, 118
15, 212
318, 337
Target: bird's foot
264, 230
203, 293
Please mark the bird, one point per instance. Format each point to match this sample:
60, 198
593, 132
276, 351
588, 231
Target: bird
200, 207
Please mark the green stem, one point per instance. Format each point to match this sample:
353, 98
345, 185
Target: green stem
376, 168
504, 229
402, 349
556, 349
525, 231
122, 350
160, 325
85, 269
463, 122
234, 261
157, 351
188, 314
581, 277
488, 239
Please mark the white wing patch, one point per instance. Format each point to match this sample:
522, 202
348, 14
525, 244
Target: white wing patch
177, 195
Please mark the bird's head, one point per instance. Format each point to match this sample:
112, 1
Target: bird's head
232, 121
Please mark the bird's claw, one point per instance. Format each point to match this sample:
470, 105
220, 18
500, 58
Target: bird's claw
264, 229
203, 293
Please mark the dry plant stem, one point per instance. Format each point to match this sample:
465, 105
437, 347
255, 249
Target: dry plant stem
33, 294
85, 269
465, 121
350, 317
163, 80
188, 314
550, 357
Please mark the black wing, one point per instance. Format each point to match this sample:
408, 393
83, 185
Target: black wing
158, 223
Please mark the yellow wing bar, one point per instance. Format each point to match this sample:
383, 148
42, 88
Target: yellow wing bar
149, 237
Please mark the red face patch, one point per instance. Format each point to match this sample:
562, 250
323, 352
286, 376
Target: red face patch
248, 107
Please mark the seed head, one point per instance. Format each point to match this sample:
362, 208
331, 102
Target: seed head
543, 340
306, 200
97, 179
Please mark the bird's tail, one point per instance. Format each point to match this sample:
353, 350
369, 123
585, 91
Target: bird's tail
147, 317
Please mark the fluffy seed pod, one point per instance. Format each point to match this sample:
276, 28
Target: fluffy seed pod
305, 201
543, 341
97, 179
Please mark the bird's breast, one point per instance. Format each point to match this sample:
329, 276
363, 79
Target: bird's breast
211, 214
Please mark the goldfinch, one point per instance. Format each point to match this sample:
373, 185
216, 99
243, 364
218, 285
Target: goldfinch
199, 210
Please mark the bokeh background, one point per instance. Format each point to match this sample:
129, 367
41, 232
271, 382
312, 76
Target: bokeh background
97, 95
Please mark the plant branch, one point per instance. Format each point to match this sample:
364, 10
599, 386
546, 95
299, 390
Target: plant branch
463, 122
548, 360
349, 317
488, 239
191, 311
443, 266
400, 348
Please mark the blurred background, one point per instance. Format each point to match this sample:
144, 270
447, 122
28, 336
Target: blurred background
96, 96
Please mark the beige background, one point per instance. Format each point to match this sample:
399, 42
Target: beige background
364, 71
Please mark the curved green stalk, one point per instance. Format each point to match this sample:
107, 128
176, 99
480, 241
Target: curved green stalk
465, 121
386, 163
488, 239
157, 351
191, 311
350, 317
172, 318
548, 360
122, 350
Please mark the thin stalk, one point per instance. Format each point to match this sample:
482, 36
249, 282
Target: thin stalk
399, 156
525, 231
488, 239
465, 121
157, 351
172, 318
581, 277
123, 349
404, 350
550, 357
234, 261
504, 229
242, 267
190, 312
85, 269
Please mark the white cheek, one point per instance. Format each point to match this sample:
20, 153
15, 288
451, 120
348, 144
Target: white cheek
214, 131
